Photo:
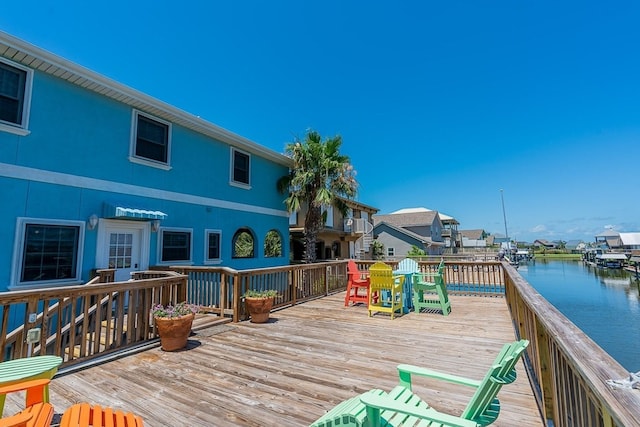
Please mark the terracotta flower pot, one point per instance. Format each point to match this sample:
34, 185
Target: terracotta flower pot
174, 332
259, 308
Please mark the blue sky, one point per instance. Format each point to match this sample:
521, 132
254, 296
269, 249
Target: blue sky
440, 104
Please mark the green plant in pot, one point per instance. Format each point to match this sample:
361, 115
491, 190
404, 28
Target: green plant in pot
174, 324
259, 304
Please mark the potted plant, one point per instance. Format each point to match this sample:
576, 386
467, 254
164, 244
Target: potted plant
259, 304
174, 324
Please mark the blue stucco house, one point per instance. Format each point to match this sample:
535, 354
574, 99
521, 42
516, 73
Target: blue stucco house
94, 174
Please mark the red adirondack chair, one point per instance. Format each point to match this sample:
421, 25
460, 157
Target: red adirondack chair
357, 285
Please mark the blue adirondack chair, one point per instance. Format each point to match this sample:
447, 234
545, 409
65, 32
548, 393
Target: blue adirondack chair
407, 267
401, 407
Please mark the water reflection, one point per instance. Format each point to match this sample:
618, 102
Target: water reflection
602, 302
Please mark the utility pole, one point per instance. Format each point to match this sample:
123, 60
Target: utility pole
504, 215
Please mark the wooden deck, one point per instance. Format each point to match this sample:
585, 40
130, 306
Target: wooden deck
301, 364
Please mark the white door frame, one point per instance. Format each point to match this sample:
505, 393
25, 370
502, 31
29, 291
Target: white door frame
102, 243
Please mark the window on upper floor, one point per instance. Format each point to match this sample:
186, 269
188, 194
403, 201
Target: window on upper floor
48, 251
240, 168
391, 252
15, 97
212, 249
175, 245
151, 140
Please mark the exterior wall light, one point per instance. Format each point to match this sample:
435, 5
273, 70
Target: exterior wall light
92, 222
155, 225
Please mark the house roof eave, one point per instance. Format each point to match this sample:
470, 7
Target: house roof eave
22, 52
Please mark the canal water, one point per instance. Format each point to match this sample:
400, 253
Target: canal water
604, 303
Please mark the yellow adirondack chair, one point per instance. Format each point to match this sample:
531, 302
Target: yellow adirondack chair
385, 292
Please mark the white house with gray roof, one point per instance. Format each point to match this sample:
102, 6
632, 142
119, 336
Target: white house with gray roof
402, 230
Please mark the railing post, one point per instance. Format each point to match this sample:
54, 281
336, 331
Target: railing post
327, 272
293, 285
223, 295
182, 290
237, 296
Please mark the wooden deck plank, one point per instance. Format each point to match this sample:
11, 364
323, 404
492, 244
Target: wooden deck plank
306, 360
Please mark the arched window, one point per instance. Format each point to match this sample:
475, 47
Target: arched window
272, 244
243, 244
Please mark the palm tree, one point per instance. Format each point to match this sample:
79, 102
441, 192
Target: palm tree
320, 176
378, 250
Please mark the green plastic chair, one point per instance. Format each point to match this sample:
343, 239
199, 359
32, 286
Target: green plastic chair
401, 407
430, 291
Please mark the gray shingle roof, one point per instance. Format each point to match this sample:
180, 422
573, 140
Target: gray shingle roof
472, 234
407, 219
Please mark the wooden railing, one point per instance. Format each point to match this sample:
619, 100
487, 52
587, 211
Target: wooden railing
219, 290
461, 277
83, 322
567, 370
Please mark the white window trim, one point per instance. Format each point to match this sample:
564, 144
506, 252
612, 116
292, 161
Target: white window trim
391, 251
231, 167
207, 260
133, 140
18, 254
22, 129
160, 239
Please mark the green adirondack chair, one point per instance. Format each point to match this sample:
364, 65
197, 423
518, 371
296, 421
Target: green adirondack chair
401, 407
430, 291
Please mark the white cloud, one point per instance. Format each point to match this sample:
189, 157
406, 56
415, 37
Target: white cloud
538, 229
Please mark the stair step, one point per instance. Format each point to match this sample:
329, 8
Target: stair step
90, 341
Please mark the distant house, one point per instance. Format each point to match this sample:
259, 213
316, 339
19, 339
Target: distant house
399, 232
574, 246
97, 175
478, 234
473, 238
341, 237
609, 238
450, 233
542, 243
630, 241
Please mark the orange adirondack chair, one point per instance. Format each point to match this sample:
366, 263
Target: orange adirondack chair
358, 285
85, 415
37, 412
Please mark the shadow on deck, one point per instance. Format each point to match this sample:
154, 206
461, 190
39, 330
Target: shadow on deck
303, 362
